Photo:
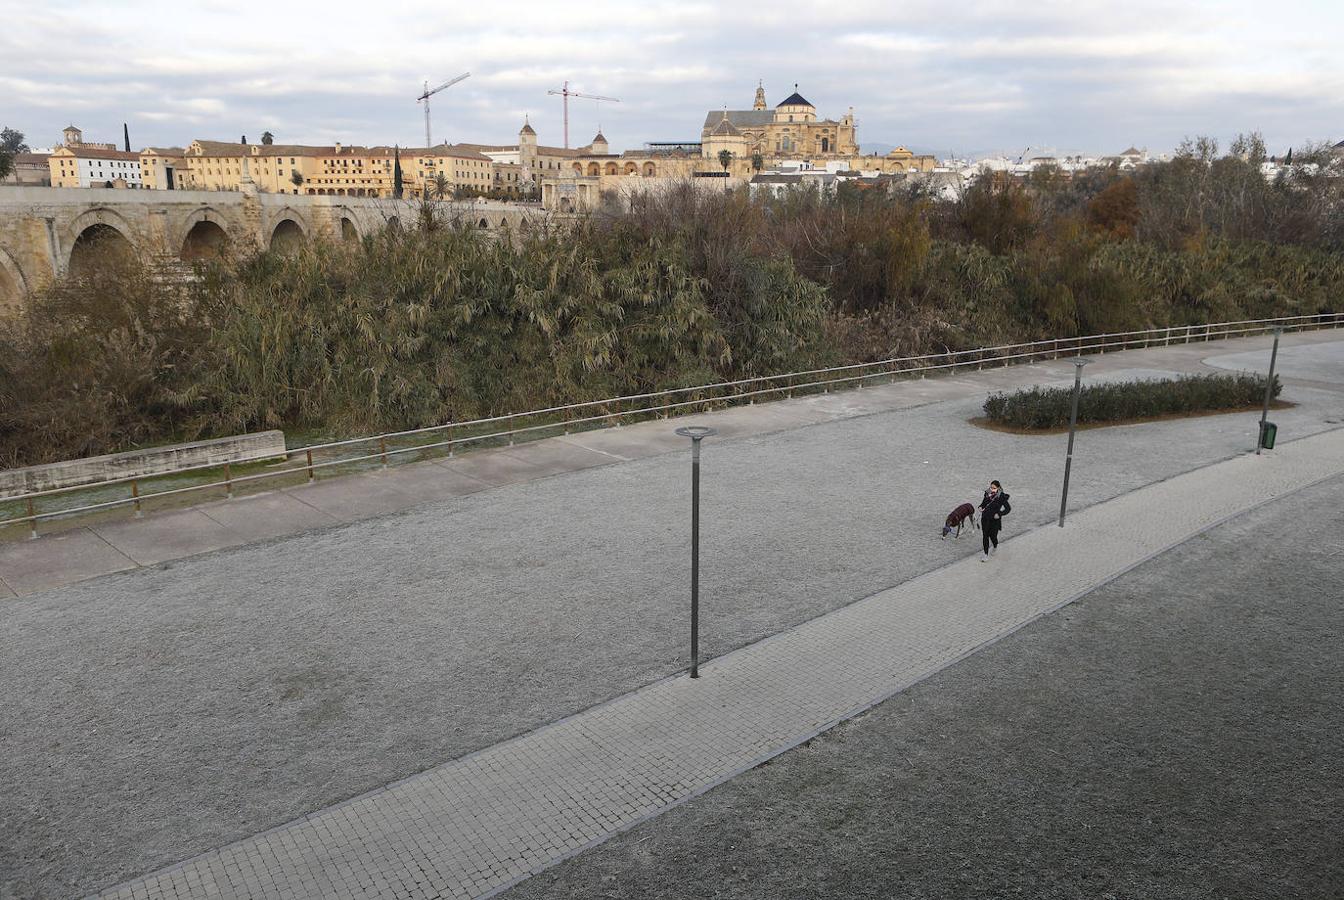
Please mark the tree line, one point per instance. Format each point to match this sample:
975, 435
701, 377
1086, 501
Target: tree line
443, 322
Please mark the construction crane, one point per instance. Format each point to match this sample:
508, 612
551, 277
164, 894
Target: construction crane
567, 93
424, 98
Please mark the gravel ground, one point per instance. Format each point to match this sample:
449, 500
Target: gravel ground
1144, 742
155, 714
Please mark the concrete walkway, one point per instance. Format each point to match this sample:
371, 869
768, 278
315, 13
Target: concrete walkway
474, 826
76, 554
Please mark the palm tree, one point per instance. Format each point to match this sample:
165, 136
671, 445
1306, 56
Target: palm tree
757, 161
441, 187
725, 159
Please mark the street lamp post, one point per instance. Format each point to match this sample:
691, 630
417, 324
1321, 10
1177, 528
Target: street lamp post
1073, 423
1269, 388
696, 433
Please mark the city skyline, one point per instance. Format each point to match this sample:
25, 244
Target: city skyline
990, 77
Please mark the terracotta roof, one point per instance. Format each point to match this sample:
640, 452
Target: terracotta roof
1132, 151
526, 129
31, 159
227, 149
82, 152
599, 137
164, 151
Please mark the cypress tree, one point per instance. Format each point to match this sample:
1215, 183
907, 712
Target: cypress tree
396, 172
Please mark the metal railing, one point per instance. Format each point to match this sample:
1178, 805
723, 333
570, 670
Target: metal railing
665, 403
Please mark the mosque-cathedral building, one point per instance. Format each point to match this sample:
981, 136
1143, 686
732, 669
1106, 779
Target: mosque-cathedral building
755, 139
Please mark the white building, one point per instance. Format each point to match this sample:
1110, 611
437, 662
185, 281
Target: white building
77, 164
88, 167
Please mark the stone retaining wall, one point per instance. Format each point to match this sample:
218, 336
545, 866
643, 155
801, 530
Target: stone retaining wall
150, 461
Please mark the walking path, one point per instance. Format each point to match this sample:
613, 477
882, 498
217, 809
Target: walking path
474, 826
87, 551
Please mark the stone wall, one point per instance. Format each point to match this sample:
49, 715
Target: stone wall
151, 461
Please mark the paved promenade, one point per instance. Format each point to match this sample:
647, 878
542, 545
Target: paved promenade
476, 825
119, 543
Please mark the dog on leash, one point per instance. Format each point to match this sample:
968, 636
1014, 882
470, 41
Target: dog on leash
961, 517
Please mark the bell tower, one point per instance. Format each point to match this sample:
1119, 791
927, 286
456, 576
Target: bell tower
760, 96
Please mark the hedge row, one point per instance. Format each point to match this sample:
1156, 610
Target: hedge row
1042, 408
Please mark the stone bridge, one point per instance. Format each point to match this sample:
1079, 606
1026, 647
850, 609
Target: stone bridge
47, 232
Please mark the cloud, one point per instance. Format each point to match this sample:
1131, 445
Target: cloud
978, 75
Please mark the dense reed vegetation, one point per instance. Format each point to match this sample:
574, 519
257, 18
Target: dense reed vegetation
441, 322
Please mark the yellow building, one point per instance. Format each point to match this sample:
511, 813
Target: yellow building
336, 170
158, 168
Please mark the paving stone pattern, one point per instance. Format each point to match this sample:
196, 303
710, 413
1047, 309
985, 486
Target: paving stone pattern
476, 825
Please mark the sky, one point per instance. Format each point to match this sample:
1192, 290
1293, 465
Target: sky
971, 78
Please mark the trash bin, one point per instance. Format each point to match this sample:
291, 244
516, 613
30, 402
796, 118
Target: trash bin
1268, 433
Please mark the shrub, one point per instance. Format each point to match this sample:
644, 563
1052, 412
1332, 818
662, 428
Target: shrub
1042, 408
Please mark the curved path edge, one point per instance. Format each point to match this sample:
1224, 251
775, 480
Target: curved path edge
475, 826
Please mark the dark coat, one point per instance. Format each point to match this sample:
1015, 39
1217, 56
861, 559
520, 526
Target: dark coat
994, 510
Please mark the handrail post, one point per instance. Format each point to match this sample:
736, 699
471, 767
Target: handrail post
135, 493
382, 448
228, 482
310, 466
32, 521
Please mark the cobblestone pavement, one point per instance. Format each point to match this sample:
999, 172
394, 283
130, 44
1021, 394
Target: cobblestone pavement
1176, 733
479, 824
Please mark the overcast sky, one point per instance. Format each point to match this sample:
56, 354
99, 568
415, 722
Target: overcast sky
937, 76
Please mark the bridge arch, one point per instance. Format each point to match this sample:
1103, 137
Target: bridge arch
79, 229
97, 245
349, 230
202, 235
287, 236
273, 217
13, 285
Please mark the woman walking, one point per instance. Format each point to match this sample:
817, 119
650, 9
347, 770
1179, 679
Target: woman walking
993, 507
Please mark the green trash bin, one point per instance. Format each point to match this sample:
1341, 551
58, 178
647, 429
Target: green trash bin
1268, 433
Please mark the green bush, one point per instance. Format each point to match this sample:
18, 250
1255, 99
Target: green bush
1042, 408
